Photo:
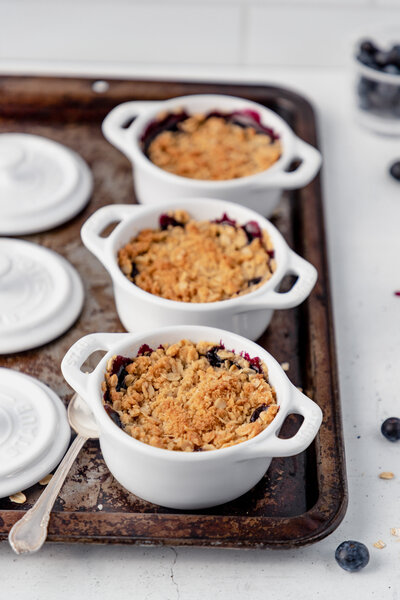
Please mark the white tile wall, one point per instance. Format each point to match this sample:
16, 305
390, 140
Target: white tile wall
312, 35
194, 32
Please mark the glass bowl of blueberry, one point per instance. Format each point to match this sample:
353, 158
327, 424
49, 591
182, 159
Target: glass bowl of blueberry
377, 62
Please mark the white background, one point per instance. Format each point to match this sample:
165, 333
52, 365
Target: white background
250, 41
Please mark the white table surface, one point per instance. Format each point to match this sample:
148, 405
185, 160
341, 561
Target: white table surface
362, 210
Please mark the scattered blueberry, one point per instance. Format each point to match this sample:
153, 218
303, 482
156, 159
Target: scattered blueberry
167, 221
213, 358
114, 416
352, 556
144, 349
395, 170
391, 429
257, 412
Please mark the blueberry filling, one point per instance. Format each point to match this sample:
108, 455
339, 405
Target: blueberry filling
213, 358
252, 230
167, 221
225, 220
254, 281
119, 361
114, 416
258, 412
122, 373
242, 118
144, 349
168, 123
255, 363
134, 271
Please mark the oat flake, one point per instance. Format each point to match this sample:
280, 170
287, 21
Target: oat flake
45, 480
18, 498
386, 475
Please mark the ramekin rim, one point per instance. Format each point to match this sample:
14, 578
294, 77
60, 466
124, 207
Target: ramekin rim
96, 378
120, 279
284, 159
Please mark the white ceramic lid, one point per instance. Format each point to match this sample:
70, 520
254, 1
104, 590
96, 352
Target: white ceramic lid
41, 295
42, 184
34, 431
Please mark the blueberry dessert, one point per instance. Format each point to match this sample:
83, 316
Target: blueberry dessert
391, 429
352, 556
189, 396
198, 261
213, 146
382, 97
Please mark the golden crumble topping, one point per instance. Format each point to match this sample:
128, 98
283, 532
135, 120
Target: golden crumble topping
198, 261
189, 397
213, 148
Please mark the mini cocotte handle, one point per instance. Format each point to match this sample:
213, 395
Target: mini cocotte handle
291, 180
278, 447
115, 128
92, 228
306, 277
79, 353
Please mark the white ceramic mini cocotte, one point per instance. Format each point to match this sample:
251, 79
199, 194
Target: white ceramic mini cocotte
188, 480
260, 192
247, 315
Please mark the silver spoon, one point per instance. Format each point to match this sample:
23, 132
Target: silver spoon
29, 533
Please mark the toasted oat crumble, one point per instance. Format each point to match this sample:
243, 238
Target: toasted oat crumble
198, 261
214, 147
380, 544
189, 397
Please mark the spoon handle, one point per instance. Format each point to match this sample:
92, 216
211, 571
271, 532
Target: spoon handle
29, 533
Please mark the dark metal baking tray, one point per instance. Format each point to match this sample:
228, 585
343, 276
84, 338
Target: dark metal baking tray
301, 499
